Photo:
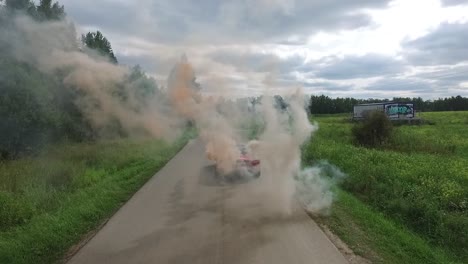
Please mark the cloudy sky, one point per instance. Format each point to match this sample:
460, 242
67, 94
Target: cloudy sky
358, 48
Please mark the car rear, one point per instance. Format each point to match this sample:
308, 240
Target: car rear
248, 166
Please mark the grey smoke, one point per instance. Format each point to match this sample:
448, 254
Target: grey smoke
314, 187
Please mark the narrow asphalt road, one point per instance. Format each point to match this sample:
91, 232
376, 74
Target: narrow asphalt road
184, 214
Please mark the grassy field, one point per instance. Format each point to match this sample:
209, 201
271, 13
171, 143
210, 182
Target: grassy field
48, 203
413, 190
371, 234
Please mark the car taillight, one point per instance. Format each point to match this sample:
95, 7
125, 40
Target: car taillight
254, 162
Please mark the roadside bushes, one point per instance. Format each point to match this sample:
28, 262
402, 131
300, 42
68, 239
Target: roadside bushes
374, 131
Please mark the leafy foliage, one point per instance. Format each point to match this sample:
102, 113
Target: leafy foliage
19, 4
46, 10
143, 87
375, 130
97, 41
33, 108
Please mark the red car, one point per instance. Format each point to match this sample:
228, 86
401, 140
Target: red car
246, 165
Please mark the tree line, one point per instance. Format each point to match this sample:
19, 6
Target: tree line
322, 104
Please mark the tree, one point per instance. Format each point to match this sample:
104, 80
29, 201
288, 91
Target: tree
18, 4
29, 113
96, 41
280, 103
48, 11
142, 87
26, 6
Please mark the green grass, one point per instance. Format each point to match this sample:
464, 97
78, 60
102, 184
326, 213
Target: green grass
48, 203
419, 180
372, 235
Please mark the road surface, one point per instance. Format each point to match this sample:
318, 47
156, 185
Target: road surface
184, 214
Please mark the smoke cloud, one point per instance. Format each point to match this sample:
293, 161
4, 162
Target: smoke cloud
53, 48
221, 123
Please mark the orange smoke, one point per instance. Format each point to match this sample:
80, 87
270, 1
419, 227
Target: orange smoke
182, 94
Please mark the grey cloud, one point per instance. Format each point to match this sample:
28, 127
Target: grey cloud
287, 76
309, 68
144, 61
401, 84
446, 45
447, 75
152, 64
454, 2
219, 21
90, 13
257, 62
127, 18
328, 86
350, 67
293, 41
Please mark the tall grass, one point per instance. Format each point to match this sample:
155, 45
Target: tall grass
420, 180
48, 202
369, 233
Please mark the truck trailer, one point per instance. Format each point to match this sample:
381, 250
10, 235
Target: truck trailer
393, 110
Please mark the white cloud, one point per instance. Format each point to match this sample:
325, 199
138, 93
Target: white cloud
367, 40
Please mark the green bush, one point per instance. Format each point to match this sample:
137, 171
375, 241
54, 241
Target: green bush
375, 130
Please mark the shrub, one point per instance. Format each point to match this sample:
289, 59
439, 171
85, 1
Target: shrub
375, 130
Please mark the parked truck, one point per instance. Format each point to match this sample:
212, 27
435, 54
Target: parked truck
393, 110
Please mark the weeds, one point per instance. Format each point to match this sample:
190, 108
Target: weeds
47, 203
419, 178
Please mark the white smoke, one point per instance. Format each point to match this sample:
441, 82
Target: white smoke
282, 180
